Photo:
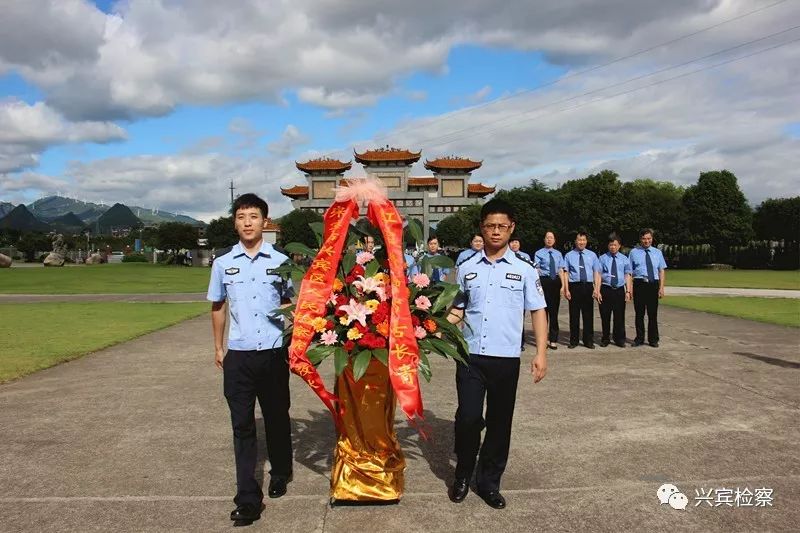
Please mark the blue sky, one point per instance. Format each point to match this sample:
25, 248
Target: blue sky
155, 104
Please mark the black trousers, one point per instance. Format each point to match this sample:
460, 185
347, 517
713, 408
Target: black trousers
613, 304
552, 296
645, 299
264, 375
494, 378
581, 304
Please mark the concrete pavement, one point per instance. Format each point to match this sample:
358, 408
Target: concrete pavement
136, 438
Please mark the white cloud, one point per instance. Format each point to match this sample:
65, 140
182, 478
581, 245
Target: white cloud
290, 140
480, 95
27, 130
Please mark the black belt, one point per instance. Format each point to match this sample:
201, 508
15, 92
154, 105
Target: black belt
613, 288
645, 280
581, 282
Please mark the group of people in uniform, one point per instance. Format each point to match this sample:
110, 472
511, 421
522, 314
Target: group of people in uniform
500, 286
582, 277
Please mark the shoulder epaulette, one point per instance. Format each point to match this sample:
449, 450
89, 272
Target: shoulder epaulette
473, 254
524, 259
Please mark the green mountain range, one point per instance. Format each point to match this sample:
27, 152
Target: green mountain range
53, 207
5, 208
21, 219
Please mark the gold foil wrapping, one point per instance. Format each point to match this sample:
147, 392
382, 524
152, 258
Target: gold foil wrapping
368, 463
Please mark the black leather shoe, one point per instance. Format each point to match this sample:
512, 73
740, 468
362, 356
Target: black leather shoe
603, 344
590, 346
620, 344
277, 486
654, 344
637, 343
459, 490
493, 499
570, 346
247, 512
553, 346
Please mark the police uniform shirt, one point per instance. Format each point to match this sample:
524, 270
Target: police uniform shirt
411, 265
572, 264
494, 296
464, 255
638, 259
603, 266
525, 255
254, 291
542, 260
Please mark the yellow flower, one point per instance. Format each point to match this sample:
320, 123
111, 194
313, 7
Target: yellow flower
337, 285
382, 277
372, 305
353, 334
319, 324
343, 320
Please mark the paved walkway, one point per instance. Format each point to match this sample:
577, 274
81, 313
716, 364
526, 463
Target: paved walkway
136, 438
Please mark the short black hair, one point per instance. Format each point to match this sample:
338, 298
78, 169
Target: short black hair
645, 231
614, 237
432, 237
250, 200
497, 206
581, 233
514, 238
475, 235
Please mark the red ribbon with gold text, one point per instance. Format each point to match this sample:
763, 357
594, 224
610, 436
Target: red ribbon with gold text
316, 289
313, 296
403, 349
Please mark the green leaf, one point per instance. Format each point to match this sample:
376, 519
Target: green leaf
415, 230
361, 363
340, 358
372, 268
425, 344
455, 335
319, 229
445, 299
424, 367
348, 262
297, 275
318, 353
446, 348
300, 248
441, 261
382, 355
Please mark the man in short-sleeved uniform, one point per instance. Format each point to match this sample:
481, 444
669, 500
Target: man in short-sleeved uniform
612, 272
649, 277
497, 286
548, 260
255, 365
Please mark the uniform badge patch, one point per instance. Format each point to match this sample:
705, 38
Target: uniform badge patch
539, 286
515, 277
471, 275
231, 271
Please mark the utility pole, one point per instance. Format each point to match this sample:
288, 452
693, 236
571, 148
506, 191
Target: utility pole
232, 188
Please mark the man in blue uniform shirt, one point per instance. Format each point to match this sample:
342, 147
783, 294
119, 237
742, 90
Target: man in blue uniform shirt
255, 364
549, 262
612, 273
578, 278
475, 246
439, 274
497, 286
649, 276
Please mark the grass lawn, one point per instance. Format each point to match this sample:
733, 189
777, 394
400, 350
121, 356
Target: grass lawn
45, 334
741, 279
782, 311
131, 278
